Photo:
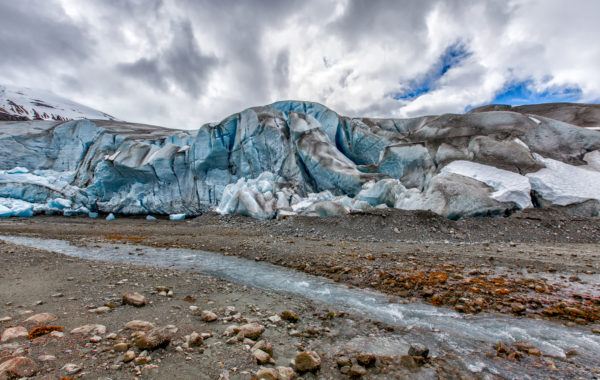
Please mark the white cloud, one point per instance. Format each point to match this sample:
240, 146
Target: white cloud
351, 55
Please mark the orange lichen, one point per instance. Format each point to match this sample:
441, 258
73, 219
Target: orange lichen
38, 331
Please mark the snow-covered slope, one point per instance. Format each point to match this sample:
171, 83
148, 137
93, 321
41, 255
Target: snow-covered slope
21, 103
299, 158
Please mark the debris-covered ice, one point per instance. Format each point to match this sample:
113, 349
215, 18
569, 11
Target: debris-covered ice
292, 158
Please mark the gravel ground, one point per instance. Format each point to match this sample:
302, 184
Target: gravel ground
537, 265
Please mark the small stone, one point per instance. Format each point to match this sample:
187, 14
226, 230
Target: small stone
596, 330
267, 374
265, 346
251, 330
5, 319
366, 359
193, 308
195, 340
307, 361
275, 319
343, 361
134, 299
18, 367
95, 339
231, 330
286, 373
57, 295
111, 336
141, 360
92, 329
128, 356
139, 325
408, 362
71, 369
261, 357
518, 308
357, 371
41, 318
418, 349
121, 347
57, 334
208, 316
290, 316
100, 310
158, 337
14, 333
46, 358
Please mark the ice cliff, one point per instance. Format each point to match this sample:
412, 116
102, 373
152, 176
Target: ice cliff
299, 158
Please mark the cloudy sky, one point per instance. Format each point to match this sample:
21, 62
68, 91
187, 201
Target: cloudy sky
181, 63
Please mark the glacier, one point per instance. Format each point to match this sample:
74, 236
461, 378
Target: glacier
296, 157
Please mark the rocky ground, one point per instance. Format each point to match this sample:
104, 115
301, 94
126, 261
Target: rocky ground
66, 318
542, 264
537, 265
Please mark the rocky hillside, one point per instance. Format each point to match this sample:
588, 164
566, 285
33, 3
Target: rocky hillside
296, 157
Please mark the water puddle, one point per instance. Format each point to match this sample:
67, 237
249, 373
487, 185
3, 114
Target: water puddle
440, 328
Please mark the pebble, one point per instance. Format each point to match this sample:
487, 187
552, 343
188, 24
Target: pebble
267, 374
251, 330
307, 361
139, 325
128, 356
134, 299
5, 319
286, 373
41, 318
100, 310
18, 367
95, 339
264, 346
275, 319
418, 349
194, 339
290, 316
208, 316
357, 371
121, 347
94, 329
262, 357
156, 338
14, 333
71, 369
366, 359
46, 358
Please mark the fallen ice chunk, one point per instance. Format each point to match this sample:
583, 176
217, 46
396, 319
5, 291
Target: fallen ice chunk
15, 207
93, 215
111, 216
150, 218
59, 203
18, 170
177, 217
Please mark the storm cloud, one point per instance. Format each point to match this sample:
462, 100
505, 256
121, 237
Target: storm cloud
182, 63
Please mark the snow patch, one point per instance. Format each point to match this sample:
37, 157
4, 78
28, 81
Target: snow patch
563, 184
508, 186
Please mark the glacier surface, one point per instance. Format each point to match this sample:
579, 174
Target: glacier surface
291, 158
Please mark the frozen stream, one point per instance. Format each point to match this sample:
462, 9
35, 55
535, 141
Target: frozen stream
467, 335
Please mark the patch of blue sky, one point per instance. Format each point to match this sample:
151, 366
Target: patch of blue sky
523, 92
451, 57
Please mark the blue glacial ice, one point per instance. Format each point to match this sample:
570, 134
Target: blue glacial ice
292, 158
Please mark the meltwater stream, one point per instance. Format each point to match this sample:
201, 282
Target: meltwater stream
468, 335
